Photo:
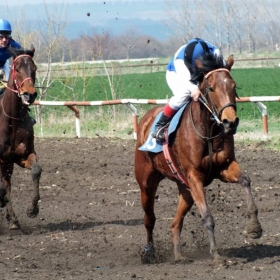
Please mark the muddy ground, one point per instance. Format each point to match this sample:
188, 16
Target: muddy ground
90, 224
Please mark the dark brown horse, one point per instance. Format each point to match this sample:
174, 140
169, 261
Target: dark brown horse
202, 150
16, 131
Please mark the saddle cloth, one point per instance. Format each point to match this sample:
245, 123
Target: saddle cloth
155, 146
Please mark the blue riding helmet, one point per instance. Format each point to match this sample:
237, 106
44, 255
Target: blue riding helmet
5, 26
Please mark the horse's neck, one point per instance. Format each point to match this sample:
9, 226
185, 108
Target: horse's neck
199, 114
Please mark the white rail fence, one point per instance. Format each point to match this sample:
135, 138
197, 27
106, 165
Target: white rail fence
129, 102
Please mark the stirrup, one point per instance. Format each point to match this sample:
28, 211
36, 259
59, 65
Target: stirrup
160, 133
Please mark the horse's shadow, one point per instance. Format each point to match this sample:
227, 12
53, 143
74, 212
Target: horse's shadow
248, 254
71, 225
252, 253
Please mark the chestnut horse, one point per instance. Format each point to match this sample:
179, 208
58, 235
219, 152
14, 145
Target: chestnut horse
201, 150
16, 131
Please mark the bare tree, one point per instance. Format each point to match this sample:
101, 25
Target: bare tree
183, 15
128, 41
50, 41
238, 25
270, 14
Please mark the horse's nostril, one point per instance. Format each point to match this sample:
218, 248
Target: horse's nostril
237, 121
228, 123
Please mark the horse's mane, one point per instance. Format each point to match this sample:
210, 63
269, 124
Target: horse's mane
16, 52
208, 63
211, 62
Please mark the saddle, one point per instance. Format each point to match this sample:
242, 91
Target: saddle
152, 144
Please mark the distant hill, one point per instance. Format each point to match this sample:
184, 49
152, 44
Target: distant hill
145, 16
145, 27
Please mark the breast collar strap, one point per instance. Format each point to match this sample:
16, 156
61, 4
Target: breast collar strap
169, 161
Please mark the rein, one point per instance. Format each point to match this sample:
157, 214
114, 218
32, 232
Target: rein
13, 118
215, 114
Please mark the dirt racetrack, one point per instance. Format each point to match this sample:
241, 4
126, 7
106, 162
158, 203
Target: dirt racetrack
90, 224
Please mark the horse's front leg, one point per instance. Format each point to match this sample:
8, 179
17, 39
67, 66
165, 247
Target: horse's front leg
7, 171
233, 174
3, 197
36, 170
198, 194
184, 205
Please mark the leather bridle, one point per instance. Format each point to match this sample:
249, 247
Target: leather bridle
15, 80
217, 112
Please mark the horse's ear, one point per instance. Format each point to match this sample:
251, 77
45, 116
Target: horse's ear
32, 49
230, 62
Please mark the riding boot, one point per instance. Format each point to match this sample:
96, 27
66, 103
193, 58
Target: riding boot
158, 132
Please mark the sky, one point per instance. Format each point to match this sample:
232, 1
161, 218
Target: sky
154, 8
146, 16
24, 2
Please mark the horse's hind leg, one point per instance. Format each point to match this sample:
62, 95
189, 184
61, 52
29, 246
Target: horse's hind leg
36, 170
148, 179
148, 192
184, 205
234, 175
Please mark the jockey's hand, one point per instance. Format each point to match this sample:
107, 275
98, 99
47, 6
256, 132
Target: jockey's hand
195, 94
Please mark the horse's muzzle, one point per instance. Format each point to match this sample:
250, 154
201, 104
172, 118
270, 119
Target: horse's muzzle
230, 127
28, 98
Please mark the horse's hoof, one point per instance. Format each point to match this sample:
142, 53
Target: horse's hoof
33, 211
148, 256
3, 202
219, 262
254, 230
14, 226
182, 260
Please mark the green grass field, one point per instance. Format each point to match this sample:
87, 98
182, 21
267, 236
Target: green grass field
250, 82
115, 120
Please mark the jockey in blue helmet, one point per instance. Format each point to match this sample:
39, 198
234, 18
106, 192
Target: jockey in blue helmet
5, 42
182, 77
